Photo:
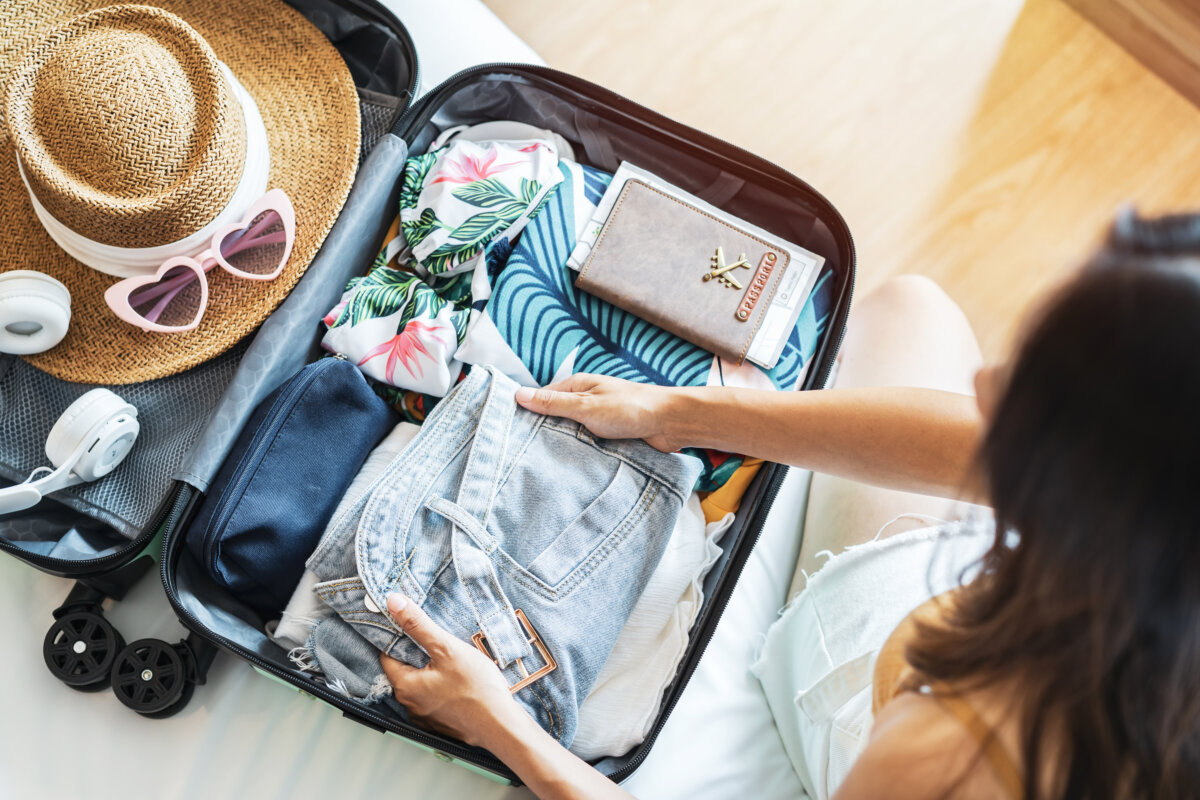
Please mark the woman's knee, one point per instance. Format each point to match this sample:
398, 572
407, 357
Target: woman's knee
911, 297
908, 332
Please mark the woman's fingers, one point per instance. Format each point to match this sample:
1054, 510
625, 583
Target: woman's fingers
578, 382
413, 620
399, 674
550, 402
565, 398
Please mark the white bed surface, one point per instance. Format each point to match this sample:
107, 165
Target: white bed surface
452, 35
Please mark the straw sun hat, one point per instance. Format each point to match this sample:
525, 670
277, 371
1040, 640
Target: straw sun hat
136, 126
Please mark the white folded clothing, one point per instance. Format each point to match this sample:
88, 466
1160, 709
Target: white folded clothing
624, 701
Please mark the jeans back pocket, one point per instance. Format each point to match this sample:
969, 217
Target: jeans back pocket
560, 501
582, 539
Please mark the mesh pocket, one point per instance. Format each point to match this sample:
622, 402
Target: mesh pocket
171, 411
379, 113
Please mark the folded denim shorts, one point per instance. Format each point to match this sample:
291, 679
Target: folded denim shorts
523, 534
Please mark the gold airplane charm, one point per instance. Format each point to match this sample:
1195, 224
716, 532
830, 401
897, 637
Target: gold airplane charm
720, 270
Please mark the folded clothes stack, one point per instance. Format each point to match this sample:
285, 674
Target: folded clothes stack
461, 522
509, 528
617, 713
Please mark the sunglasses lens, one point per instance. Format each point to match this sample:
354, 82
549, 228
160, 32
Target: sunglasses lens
173, 301
257, 249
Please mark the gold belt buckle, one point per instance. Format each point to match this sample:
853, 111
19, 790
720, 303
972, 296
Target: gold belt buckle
532, 637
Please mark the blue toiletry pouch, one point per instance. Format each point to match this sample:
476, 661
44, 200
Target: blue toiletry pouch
269, 504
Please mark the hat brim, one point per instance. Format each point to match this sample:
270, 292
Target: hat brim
309, 106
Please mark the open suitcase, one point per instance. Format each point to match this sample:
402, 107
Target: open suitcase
106, 535
605, 129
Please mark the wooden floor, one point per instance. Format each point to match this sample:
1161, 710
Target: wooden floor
984, 143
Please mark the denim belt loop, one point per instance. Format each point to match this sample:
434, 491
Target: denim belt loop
471, 545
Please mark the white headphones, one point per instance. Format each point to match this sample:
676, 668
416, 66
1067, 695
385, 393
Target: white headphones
87, 442
35, 311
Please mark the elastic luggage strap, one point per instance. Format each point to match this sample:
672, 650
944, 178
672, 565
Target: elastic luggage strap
471, 544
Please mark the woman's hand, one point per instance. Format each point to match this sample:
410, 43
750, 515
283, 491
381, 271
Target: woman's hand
460, 691
610, 408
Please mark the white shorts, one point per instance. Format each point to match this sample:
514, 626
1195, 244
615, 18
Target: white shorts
817, 662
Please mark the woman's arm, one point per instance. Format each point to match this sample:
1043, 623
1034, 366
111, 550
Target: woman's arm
461, 693
914, 440
549, 770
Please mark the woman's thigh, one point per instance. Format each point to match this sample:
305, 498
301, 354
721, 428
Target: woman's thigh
907, 332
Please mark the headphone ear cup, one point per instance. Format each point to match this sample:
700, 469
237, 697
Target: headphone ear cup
35, 312
87, 412
113, 441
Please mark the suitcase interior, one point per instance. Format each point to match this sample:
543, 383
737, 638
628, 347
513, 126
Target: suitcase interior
604, 129
382, 60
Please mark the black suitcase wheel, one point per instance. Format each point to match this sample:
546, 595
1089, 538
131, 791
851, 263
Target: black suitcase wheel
80, 649
151, 678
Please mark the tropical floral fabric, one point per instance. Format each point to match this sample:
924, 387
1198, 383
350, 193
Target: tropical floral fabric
399, 329
459, 205
457, 201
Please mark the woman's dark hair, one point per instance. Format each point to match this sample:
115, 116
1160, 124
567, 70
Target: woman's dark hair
1089, 599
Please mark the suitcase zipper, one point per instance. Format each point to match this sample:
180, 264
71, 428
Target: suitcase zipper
83, 568
416, 115
246, 470
384, 16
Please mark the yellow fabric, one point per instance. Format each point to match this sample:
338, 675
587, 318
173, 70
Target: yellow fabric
716, 504
393, 232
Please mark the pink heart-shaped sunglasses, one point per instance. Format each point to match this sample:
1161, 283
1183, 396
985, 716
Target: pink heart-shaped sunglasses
173, 299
